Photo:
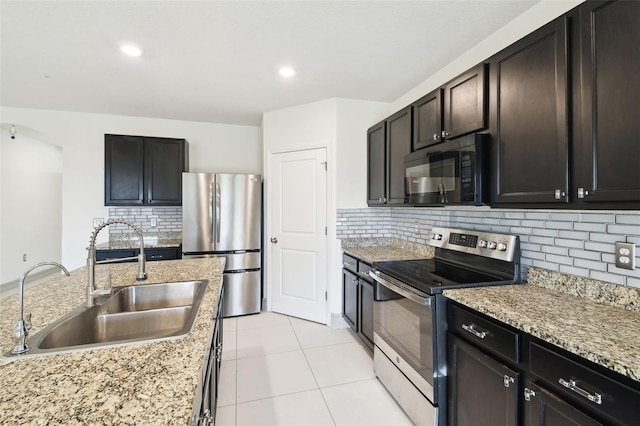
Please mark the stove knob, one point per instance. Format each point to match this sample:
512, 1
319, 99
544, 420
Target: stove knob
482, 244
502, 247
492, 245
436, 237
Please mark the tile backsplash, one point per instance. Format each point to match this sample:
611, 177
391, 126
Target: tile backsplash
168, 220
579, 243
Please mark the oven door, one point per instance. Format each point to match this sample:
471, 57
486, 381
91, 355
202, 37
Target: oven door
404, 330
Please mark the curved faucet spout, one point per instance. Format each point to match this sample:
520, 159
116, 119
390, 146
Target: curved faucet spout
22, 327
91, 259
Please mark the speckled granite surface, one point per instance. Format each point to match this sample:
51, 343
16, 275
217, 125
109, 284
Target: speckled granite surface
379, 249
148, 243
604, 334
598, 291
147, 383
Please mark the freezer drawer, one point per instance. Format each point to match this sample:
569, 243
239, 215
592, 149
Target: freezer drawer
242, 292
234, 261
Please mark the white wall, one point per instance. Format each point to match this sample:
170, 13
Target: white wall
532, 19
212, 147
337, 125
31, 202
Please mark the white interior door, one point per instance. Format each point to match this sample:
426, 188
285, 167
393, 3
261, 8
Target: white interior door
297, 240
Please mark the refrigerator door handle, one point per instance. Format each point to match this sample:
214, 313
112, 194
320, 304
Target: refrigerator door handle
211, 212
217, 211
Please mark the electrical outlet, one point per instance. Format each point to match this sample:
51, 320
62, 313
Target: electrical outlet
154, 221
625, 255
98, 221
24, 257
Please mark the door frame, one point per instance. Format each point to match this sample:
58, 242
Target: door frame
329, 206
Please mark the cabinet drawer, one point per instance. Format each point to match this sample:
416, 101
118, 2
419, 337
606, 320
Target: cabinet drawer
110, 254
162, 253
350, 263
584, 385
485, 333
363, 270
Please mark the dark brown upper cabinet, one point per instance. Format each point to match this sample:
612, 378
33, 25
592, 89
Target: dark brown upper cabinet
465, 103
458, 108
387, 144
529, 118
609, 145
427, 120
143, 170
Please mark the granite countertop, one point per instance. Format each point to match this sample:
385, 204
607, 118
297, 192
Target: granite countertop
144, 383
607, 335
134, 244
380, 249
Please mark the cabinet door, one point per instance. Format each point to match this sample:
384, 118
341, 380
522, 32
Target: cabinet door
164, 164
123, 172
376, 165
529, 118
546, 409
350, 298
481, 390
610, 88
465, 107
399, 131
366, 312
427, 120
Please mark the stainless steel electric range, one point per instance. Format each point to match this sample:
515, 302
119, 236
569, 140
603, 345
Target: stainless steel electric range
410, 317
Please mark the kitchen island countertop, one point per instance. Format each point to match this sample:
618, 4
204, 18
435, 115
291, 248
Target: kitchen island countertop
143, 383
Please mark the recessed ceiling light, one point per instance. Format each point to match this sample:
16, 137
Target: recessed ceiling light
287, 72
130, 50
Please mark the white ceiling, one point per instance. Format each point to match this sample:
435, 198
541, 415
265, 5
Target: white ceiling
217, 61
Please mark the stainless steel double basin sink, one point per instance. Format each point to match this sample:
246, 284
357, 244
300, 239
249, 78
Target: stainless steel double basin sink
131, 314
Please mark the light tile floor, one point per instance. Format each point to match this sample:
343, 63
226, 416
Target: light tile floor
280, 370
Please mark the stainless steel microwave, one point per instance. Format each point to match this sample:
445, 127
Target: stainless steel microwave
454, 172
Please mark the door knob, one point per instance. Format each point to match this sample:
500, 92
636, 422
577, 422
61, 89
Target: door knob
274, 240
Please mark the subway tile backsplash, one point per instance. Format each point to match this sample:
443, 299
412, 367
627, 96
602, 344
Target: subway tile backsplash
577, 243
168, 220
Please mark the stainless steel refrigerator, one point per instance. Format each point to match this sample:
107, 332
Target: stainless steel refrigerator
222, 216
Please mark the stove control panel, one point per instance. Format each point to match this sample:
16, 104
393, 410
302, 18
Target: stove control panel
496, 246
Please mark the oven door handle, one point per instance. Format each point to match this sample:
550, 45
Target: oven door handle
402, 291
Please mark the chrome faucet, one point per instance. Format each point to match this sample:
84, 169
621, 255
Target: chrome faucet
92, 293
21, 332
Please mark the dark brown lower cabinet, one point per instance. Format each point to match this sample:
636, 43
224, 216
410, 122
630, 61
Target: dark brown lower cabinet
350, 298
357, 298
366, 311
481, 390
546, 409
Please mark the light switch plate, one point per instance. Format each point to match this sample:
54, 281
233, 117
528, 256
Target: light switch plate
625, 255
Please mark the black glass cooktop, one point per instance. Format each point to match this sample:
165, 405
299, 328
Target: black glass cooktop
432, 275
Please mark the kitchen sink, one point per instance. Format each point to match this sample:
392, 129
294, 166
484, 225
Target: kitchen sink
132, 314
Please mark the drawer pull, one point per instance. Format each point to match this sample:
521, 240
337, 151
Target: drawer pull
364, 274
571, 385
472, 330
347, 264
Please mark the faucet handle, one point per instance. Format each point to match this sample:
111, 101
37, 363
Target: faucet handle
27, 321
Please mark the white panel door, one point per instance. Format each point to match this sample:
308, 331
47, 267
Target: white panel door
298, 272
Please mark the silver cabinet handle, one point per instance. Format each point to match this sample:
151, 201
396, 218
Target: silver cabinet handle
507, 380
528, 393
435, 136
274, 240
472, 330
571, 385
347, 264
364, 274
